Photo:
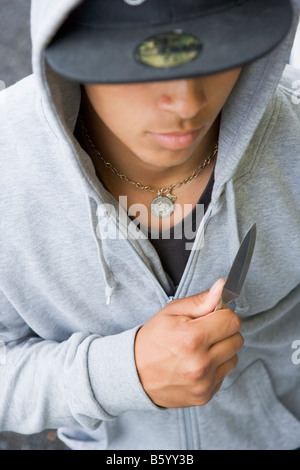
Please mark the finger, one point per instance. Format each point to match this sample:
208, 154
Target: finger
224, 350
225, 369
200, 304
215, 327
220, 374
217, 388
206, 302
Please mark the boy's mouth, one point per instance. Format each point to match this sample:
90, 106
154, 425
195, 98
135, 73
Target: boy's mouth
176, 140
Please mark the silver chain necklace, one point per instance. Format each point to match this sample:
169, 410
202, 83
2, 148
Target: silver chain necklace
163, 205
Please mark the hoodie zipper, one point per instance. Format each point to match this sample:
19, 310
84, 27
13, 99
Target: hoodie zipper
190, 445
188, 429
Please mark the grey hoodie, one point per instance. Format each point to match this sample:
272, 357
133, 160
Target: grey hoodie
75, 284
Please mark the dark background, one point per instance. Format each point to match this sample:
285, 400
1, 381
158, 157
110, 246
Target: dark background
15, 42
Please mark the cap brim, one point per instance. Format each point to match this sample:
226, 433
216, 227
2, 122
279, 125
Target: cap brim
229, 38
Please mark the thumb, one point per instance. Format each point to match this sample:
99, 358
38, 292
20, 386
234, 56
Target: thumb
205, 302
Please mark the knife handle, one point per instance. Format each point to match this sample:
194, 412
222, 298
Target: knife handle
221, 305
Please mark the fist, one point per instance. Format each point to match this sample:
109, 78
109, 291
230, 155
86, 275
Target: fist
184, 352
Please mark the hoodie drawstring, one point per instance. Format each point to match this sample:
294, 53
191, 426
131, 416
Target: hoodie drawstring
99, 220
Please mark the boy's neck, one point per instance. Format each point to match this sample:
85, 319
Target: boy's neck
115, 152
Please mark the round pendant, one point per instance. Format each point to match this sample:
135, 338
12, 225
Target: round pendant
162, 207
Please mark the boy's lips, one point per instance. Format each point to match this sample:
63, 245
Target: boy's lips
176, 140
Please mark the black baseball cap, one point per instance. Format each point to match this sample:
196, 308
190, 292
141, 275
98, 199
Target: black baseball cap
125, 41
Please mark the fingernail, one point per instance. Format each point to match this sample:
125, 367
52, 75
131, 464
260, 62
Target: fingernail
216, 286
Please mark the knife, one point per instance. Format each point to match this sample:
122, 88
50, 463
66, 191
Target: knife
239, 270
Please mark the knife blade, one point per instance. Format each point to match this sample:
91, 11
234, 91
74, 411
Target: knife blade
239, 269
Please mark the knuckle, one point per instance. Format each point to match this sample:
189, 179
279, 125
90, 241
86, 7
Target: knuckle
204, 400
204, 393
236, 321
197, 300
200, 391
229, 366
197, 371
241, 340
233, 363
202, 369
192, 340
188, 343
206, 390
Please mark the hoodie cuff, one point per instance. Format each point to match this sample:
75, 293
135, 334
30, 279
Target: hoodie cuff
113, 374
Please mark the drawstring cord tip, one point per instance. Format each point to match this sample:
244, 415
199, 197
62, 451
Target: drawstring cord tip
109, 292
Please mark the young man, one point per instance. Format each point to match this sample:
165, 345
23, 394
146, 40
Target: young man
137, 114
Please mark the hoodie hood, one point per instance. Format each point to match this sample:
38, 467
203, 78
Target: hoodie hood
241, 115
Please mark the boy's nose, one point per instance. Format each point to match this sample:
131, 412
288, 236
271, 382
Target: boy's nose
184, 98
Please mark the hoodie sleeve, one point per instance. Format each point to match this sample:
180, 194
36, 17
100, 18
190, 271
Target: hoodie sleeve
81, 381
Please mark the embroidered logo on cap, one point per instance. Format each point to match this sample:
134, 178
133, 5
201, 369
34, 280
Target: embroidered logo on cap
168, 50
134, 2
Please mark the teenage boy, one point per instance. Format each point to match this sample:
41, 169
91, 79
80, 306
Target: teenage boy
138, 114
